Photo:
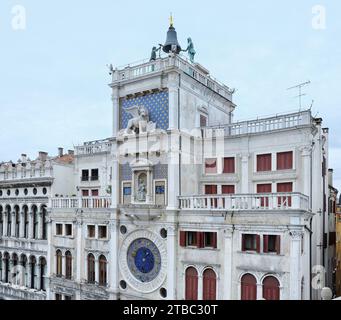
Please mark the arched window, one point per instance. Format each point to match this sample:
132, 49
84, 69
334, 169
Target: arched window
35, 222
33, 263
17, 221
270, 288
42, 273
24, 275
0, 266
91, 268
1, 223
248, 287
9, 221
59, 261
6, 267
26, 222
191, 290
68, 265
209, 285
44, 221
14, 271
102, 271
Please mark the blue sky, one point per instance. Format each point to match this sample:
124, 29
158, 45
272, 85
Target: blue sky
53, 75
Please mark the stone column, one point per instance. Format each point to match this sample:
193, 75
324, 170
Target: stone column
97, 270
13, 225
173, 92
173, 172
22, 225
171, 263
112, 268
79, 260
244, 173
295, 270
115, 187
30, 225
200, 285
228, 258
116, 111
40, 225
5, 224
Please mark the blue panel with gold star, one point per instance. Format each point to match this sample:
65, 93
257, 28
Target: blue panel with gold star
157, 105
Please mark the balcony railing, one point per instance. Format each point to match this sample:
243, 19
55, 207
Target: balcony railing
81, 202
93, 147
264, 201
142, 68
259, 125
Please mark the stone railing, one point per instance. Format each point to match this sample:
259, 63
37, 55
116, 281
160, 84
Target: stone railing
81, 202
259, 125
140, 69
20, 293
264, 201
93, 147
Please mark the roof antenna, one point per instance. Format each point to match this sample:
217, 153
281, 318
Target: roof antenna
300, 94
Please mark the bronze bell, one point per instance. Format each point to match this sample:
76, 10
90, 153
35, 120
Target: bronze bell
172, 44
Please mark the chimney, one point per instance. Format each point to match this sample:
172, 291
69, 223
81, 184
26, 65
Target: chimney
43, 155
23, 158
330, 177
60, 152
71, 152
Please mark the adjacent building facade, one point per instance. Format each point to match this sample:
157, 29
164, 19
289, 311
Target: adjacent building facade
180, 203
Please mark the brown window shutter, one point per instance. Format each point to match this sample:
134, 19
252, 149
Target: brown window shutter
214, 240
243, 242
258, 242
278, 244
200, 239
265, 243
183, 238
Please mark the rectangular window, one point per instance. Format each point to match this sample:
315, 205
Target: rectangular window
264, 162
284, 160
211, 189
85, 175
286, 187
126, 191
68, 230
67, 298
59, 229
85, 193
227, 189
191, 239
210, 239
58, 296
229, 165
271, 243
94, 175
264, 188
91, 231
250, 242
210, 166
102, 232
94, 193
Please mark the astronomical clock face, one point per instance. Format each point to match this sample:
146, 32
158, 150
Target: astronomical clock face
144, 259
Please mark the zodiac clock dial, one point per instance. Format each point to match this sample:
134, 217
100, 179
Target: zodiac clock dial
144, 259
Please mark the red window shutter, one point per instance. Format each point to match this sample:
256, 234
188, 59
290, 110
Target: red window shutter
228, 189
264, 162
243, 242
284, 160
94, 192
258, 242
183, 238
229, 165
265, 243
214, 240
200, 239
85, 193
264, 188
278, 244
211, 189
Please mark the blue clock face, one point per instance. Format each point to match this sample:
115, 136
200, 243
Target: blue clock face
144, 260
